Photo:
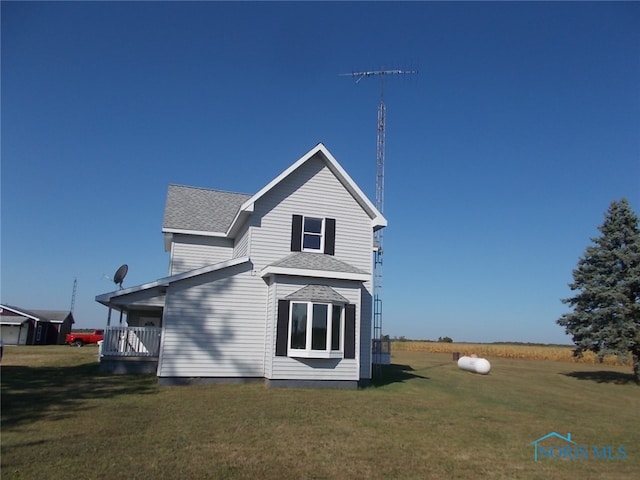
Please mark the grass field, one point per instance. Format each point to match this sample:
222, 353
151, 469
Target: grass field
423, 419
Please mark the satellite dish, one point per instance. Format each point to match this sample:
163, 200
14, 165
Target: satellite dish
118, 278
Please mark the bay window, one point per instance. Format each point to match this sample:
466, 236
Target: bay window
313, 329
316, 329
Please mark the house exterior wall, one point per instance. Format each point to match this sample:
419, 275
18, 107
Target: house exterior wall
366, 329
144, 318
222, 324
41, 334
243, 242
311, 190
63, 329
189, 252
270, 328
211, 329
291, 368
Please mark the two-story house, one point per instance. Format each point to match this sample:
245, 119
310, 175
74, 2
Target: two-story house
275, 285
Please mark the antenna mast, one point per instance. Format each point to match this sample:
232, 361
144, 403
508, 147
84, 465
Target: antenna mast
73, 295
377, 349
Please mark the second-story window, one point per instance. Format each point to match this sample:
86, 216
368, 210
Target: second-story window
313, 234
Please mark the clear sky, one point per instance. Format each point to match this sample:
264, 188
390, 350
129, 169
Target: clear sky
502, 155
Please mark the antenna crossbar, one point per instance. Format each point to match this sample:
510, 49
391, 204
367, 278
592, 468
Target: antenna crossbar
371, 73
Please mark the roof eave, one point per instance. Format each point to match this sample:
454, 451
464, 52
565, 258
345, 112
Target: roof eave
270, 270
245, 211
202, 233
379, 222
21, 312
166, 281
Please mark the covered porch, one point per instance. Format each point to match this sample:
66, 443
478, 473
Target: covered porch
127, 349
133, 333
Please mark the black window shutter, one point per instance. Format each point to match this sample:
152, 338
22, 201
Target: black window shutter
330, 236
350, 331
296, 233
282, 328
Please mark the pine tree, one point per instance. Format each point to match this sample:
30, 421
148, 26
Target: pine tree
606, 305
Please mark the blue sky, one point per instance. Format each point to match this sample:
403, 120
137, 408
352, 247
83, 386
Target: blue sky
502, 155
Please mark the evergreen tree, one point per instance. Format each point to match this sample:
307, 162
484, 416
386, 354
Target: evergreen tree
606, 305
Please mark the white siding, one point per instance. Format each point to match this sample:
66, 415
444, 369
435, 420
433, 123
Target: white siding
271, 312
189, 252
222, 324
288, 368
214, 326
311, 190
366, 327
241, 246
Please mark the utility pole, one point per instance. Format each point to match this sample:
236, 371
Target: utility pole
378, 356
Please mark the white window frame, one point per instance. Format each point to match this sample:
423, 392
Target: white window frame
321, 234
308, 352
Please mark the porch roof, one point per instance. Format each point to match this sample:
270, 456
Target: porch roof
158, 288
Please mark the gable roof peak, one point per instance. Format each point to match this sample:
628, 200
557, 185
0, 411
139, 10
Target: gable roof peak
378, 220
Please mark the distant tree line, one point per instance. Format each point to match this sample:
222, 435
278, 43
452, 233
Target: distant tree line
402, 338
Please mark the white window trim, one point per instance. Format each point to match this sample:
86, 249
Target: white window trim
321, 234
308, 352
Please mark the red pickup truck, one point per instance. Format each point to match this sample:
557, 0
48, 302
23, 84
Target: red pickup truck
80, 339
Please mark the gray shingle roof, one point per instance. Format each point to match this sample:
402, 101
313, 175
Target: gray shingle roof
201, 209
56, 316
51, 315
316, 261
317, 293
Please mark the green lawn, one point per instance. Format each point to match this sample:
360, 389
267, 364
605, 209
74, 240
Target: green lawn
424, 419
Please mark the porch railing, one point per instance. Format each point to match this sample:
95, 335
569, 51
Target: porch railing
131, 342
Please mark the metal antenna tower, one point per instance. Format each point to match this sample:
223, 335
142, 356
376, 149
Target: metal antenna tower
377, 347
73, 295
